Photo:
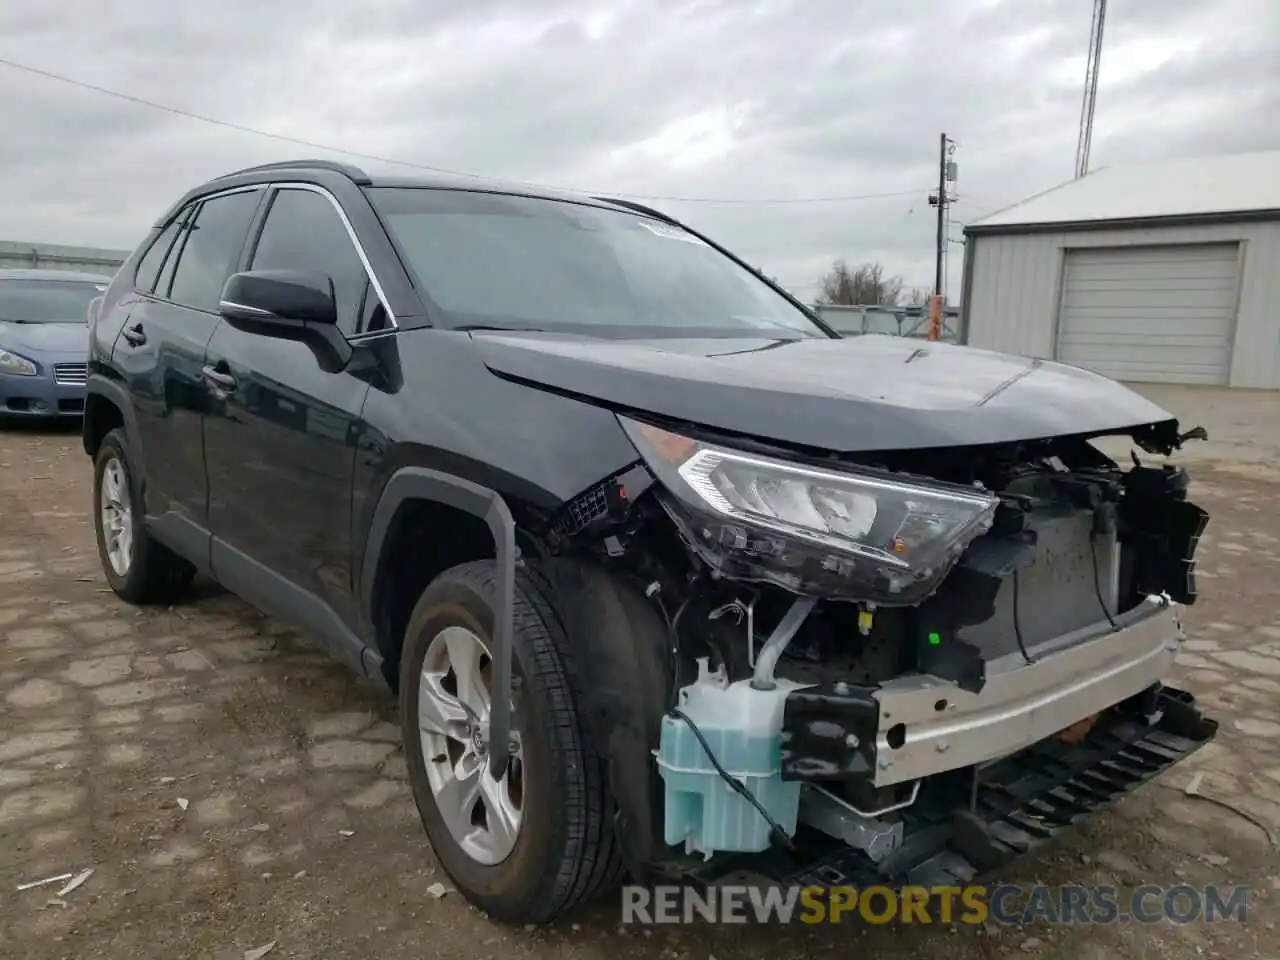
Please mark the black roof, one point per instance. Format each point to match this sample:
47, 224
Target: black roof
322, 170
427, 178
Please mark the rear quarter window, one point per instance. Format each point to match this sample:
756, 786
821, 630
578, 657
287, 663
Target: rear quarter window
144, 278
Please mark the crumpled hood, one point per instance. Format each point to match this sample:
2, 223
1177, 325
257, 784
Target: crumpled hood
865, 393
34, 339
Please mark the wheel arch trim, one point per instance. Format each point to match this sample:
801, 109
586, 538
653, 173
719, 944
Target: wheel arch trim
115, 394
421, 483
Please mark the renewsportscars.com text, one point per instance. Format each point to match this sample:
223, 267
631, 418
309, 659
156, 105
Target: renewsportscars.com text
1005, 904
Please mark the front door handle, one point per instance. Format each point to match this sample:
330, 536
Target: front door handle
135, 334
221, 380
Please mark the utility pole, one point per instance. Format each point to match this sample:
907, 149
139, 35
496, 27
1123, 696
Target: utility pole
941, 200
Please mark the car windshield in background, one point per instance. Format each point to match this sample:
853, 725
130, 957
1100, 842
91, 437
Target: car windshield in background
47, 301
492, 260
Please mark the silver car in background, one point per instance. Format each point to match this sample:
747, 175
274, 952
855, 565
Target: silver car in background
44, 341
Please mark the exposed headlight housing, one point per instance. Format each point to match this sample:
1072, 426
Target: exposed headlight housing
11, 363
863, 535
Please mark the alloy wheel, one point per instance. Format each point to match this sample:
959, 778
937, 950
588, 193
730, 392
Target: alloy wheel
115, 516
483, 815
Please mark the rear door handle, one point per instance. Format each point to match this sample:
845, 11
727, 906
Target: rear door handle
223, 381
135, 334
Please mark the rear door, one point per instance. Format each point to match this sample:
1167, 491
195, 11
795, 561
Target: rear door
160, 351
281, 443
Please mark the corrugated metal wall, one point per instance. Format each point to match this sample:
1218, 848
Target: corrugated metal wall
14, 254
1015, 283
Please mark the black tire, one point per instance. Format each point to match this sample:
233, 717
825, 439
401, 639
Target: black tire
155, 574
566, 853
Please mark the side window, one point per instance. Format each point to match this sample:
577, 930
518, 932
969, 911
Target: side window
144, 278
165, 280
304, 232
212, 249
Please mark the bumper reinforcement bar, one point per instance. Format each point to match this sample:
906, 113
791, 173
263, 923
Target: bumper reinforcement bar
943, 727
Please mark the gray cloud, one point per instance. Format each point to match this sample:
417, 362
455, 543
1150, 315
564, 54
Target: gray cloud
701, 98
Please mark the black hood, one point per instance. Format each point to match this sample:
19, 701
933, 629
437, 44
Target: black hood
858, 394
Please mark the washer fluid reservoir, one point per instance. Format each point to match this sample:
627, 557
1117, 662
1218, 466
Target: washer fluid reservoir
743, 727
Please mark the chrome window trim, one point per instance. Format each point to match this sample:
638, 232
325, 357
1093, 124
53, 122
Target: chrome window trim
228, 191
373, 335
351, 233
346, 223
257, 311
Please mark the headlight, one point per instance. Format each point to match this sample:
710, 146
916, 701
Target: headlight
863, 535
12, 363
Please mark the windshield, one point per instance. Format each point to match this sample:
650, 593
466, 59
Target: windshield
47, 301
523, 263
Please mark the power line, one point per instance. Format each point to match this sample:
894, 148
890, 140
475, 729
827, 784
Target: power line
776, 201
314, 145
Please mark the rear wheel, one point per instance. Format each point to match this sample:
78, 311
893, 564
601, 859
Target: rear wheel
538, 842
139, 569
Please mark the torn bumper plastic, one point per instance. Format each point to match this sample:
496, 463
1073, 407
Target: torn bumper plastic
1018, 804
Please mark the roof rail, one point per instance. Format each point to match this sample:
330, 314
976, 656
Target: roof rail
333, 166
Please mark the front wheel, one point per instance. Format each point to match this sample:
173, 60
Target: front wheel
538, 843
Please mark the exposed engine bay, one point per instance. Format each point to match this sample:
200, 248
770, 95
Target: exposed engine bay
857, 643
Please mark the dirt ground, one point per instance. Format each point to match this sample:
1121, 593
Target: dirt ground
231, 787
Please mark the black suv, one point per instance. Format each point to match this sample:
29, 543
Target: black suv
669, 578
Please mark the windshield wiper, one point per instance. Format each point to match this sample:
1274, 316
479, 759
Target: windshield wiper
467, 327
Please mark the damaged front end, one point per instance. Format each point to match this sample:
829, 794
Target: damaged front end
885, 666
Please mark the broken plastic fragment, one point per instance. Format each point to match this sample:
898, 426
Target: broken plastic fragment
183, 803
346, 833
437, 890
257, 953
77, 881
32, 884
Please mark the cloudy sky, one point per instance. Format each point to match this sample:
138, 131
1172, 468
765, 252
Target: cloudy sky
783, 112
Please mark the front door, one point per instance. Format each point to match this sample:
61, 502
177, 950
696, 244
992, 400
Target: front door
280, 440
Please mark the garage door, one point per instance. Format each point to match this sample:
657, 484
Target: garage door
1150, 314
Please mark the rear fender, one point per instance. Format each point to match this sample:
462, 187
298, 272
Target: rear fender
114, 393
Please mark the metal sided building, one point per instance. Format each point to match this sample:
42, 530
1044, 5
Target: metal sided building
1164, 272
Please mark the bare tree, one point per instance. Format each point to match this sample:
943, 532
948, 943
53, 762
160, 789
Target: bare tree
864, 286
919, 297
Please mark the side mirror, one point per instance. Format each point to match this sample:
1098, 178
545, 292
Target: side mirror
267, 296
294, 305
